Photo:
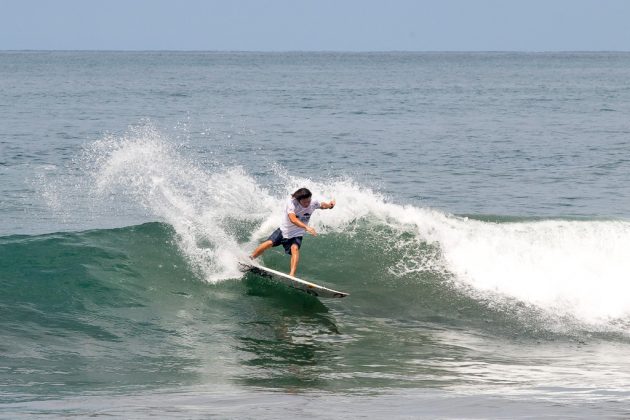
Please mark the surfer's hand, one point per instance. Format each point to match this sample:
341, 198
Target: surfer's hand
311, 231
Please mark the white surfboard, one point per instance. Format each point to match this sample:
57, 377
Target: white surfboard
294, 282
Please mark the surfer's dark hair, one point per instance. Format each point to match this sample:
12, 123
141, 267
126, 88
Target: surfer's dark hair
301, 194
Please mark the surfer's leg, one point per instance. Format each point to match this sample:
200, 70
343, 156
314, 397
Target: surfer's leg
262, 248
274, 240
295, 257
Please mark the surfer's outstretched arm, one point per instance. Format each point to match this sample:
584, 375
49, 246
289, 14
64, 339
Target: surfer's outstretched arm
329, 205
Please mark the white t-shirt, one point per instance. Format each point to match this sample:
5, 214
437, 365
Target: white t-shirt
288, 229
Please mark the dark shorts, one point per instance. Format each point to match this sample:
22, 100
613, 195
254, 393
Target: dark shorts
277, 239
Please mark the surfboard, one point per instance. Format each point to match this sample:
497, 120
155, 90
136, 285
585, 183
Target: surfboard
294, 282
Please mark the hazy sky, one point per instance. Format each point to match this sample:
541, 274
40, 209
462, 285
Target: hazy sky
352, 25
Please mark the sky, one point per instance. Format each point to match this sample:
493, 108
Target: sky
316, 25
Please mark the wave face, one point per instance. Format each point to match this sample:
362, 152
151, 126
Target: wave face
562, 270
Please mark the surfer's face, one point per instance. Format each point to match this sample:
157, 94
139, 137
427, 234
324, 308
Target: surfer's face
305, 202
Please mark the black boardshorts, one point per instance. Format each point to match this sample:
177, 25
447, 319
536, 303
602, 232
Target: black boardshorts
277, 239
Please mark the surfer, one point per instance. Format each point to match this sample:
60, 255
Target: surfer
298, 212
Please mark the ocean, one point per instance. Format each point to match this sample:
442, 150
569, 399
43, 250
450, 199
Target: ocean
482, 229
